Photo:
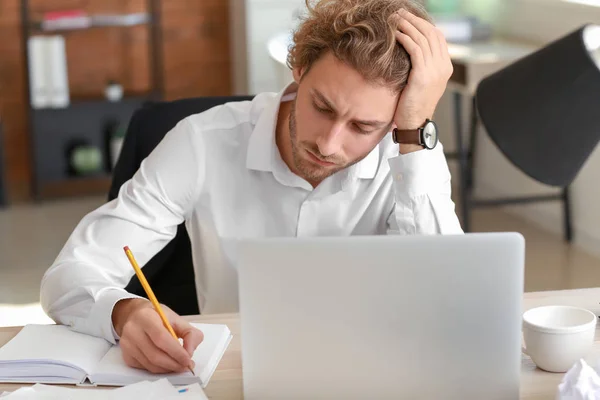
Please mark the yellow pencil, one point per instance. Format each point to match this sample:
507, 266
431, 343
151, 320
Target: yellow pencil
151, 296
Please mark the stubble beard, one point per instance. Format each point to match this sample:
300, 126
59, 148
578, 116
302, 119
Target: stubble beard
308, 170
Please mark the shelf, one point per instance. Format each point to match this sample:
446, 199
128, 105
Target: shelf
96, 21
76, 186
88, 117
98, 98
83, 98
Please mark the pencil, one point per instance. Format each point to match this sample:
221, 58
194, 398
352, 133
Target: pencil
151, 296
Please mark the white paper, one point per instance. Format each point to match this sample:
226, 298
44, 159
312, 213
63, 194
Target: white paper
191, 392
158, 390
581, 382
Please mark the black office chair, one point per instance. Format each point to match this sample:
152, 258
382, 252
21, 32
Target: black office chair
170, 272
542, 114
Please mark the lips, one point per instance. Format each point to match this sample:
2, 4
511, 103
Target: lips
317, 160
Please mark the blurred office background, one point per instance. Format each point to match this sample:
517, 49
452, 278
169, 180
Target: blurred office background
72, 72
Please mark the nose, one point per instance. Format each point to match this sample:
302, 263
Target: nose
330, 142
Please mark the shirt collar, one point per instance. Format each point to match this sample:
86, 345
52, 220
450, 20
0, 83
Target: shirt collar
262, 148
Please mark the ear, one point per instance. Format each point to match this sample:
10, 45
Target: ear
298, 73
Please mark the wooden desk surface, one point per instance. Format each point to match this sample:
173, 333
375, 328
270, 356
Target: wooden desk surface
226, 383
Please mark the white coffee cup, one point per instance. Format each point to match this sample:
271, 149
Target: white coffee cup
558, 336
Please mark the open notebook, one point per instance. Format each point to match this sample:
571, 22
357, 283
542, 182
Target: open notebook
56, 354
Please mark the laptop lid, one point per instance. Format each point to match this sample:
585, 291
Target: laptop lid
382, 317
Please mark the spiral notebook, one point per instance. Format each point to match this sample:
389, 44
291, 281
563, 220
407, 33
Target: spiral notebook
56, 354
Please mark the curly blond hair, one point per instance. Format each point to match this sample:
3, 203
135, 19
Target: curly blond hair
360, 33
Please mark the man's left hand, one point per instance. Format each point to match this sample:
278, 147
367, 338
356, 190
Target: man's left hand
429, 75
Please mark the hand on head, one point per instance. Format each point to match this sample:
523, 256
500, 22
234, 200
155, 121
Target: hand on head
429, 75
430, 72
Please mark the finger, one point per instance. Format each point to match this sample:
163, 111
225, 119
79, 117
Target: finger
145, 361
158, 356
406, 27
425, 28
443, 45
134, 357
412, 48
191, 336
132, 362
168, 345
446, 59
127, 350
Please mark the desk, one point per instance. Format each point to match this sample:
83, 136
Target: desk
226, 383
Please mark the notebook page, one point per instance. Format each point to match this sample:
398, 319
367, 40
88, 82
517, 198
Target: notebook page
209, 352
112, 370
54, 344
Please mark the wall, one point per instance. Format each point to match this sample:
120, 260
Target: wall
254, 70
538, 21
191, 30
239, 46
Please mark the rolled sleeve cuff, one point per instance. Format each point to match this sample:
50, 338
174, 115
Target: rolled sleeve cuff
418, 172
103, 308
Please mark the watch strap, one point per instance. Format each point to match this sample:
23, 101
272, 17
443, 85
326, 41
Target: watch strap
407, 136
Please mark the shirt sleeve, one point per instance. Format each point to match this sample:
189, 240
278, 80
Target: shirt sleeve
422, 195
87, 279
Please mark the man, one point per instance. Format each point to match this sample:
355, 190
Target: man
316, 159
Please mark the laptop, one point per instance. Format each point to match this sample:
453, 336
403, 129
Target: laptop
382, 317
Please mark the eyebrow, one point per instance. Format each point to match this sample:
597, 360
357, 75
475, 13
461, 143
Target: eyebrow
323, 99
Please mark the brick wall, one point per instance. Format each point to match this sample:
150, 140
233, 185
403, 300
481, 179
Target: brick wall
195, 40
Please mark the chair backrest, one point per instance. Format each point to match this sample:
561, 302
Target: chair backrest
171, 271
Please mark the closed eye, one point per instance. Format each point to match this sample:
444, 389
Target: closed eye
322, 110
361, 130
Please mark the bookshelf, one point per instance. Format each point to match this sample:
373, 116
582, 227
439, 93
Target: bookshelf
84, 119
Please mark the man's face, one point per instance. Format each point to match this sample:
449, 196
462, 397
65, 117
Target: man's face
337, 118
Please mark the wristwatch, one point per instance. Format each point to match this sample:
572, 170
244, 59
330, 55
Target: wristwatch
426, 136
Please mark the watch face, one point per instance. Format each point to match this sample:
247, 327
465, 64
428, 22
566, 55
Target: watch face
430, 135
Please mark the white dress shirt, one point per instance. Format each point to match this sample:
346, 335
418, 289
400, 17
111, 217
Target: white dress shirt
221, 173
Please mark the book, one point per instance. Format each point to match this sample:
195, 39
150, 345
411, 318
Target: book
39, 79
68, 19
58, 355
57, 64
48, 74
